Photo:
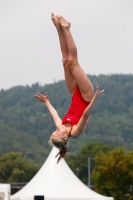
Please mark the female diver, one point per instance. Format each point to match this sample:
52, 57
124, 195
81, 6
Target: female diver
80, 88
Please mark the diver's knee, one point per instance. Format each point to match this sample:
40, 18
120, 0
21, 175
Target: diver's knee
64, 61
72, 61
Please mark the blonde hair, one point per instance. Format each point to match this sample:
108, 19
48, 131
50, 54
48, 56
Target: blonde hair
61, 144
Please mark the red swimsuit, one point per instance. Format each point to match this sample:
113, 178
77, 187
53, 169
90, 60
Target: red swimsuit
76, 109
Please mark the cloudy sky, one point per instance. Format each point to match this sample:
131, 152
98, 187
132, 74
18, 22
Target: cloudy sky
29, 46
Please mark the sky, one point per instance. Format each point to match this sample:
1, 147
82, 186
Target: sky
29, 45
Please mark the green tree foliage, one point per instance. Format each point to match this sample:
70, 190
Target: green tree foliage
113, 173
79, 162
15, 168
26, 125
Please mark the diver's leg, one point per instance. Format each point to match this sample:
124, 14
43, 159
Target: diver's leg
83, 82
70, 81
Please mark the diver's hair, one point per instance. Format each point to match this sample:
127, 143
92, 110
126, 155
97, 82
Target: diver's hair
62, 152
61, 144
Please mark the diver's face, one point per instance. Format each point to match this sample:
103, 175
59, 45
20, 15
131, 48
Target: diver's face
61, 132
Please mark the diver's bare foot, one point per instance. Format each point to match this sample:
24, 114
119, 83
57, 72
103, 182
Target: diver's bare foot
64, 24
55, 21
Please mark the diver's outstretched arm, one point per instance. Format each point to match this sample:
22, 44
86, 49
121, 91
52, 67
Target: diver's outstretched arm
53, 112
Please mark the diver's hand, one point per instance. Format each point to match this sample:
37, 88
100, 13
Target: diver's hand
43, 98
98, 92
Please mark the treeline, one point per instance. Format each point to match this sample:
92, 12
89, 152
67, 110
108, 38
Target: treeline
26, 125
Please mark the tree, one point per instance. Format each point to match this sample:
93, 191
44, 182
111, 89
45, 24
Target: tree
80, 161
15, 168
113, 173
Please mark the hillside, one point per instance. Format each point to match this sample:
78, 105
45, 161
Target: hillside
26, 125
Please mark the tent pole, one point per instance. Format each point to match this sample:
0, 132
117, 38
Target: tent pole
89, 180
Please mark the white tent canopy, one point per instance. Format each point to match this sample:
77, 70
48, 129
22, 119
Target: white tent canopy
57, 181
